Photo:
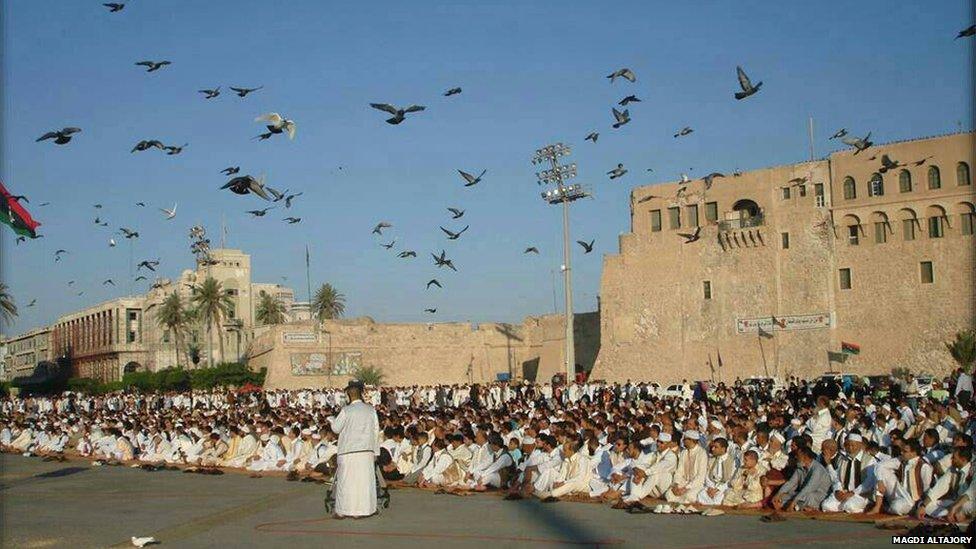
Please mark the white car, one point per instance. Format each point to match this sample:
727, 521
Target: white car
672, 391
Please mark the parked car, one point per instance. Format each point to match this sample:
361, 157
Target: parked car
754, 382
675, 390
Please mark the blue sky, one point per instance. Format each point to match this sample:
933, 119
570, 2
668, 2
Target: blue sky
532, 73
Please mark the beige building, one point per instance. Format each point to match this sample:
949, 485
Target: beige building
22, 353
791, 262
102, 341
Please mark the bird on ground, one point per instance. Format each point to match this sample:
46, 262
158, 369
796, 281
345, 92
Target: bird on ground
277, 124
433, 282
140, 277
292, 220
629, 99
291, 197
170, 213
242, 92
456, 213
153, 65
859, 143
398, 114
260, 213
443, 261
173, 149
531, 250
128, 233
210, 94
111, 242
747, 87
246, 184
684, 131
431, 311
620, 117
453, 235
587, 246
624, 73
691, 237
145, 145
378, 229
231, 170
150, 264
647, 198
61, 137
708, 179
108, 281
472, 180
619, 171
407, 253
592, 136
32, 302
390, 245
888, 164
968, 31
452, 91
114, 7
838, 134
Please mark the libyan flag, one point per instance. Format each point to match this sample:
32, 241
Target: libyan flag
850, 348
13, 214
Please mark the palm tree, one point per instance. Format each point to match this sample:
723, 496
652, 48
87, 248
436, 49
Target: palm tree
270, 310
212, 306
963, 349
8, 310
328, 302
369, 375
174, 317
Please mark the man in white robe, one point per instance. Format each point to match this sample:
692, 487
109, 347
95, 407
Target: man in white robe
355, 481
689, 477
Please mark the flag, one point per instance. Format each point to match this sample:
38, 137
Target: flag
719, 353
764, 333
836, 357
16, 216
850, 348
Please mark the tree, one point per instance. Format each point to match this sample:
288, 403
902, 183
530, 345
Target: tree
174, 316
8, 310
270, 310
963, 349
328, 302
369, 375
212, 306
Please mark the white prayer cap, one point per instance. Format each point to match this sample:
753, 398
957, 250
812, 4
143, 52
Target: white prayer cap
245, 429
692, 434
886, 407
316, 436
664, 437
717, 424
528, 440
306, 431
265, 437
855, 437
796, 421
778, 436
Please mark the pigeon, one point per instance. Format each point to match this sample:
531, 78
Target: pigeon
838, 134
96, 206
19, 197
57, 254
231, 170
111, 243
260, 213
71, 282
431, 311
456, 213
144, 541
620, 117
291, 197
43, 204
21, 239
149, 264
173, 149
747, 87
531, 250
390, 245
81, 293
443, 261
108, 281
242, 92
210, 94
888, 164
277, 124
246, 184
452, 91
32, 302
619, 171
153, 65
407, 253
920, 162
622, 73
453, 235
278, 196
292, 220
140, 277
141, 204
378, 229
472, 180
708, 179
587, 246
114, 7
859, 143
968, 31
691, 237
629, 99
61, 137
128, 233
647, 198
592, 136
433, 282
797, 181
683, 131
145, 145
398, 114
170, 214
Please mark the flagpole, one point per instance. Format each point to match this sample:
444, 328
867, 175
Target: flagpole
308, 279
761, 352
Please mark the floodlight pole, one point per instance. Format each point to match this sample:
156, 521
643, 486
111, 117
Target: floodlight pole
568, 284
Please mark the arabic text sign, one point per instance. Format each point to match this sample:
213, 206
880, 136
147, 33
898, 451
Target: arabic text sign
782, 323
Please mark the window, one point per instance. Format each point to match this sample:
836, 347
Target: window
230, 291
935, 227
785, 237
968, 223
876, 185
132, 315
711, 211
130, 337
852, 235
692, 215
674, 218
845, 279
818, 192
962, 174
928, 274
908, 229
655, 220
880, 232
905, 181
935, 180
850, 190
786, 193
707, 289
802, 190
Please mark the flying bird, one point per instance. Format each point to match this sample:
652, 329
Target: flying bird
443, 261
433, 282
128, 233
456, 213
292, 220
622, 73
838, 134
587, 246
798, 181
472, 180
242, 92
173, 149
619, 171
246, 184
398, 114
378, 229
153, 65
43, 204
278, 196
710, 177
453, 235
32, 302
61, 137
922, 161
390, 245
431, 311
145, 145
407, 253
81, 293
859, 143
260, 213
111, 242
108, 281
21, 239
210, 94
531, 250
747, 87
58, 253
683, 131
149, 264
170, 213
967, 32
452, 91
71, 282
592, 136
691, 237
96, 206
291, 197
888, 164
277, 124
140, 277
647, 198
620, 117
231, 170
19, 197
629, 99
141, 204
114, 7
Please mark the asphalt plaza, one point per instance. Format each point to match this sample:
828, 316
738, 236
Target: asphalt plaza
72, 504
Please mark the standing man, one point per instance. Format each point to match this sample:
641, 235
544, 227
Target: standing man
355, 481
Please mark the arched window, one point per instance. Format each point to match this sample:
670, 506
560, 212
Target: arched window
967, 218
853, 224
935, 179
881, 227
850, 189
876, 185
909, 222
936, 221
905, 181
962, 174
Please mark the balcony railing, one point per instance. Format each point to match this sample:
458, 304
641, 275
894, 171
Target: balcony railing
736, 224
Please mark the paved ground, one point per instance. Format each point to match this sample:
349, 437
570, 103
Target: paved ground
74, 505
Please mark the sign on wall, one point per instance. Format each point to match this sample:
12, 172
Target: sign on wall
299, 337
782, 323
347, 362
309, 364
